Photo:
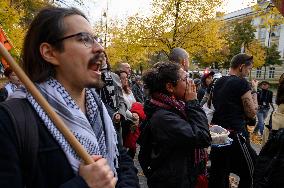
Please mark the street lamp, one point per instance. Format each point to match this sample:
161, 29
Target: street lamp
106, 29
105, 15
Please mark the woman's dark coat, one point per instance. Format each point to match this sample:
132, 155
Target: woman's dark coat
174, 141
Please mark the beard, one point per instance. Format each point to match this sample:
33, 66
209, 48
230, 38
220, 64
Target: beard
99, 84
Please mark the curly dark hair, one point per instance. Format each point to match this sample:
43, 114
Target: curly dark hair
156, 78
280, 91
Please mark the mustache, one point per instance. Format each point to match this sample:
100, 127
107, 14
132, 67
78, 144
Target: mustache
97, 59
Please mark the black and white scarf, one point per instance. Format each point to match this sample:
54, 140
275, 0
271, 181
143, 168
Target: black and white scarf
10, 87
94, 131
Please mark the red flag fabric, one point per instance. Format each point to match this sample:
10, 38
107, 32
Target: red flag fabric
280, 5
4, 40
7, 45
4, 63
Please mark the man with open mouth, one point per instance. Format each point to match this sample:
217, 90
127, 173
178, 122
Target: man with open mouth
62, 57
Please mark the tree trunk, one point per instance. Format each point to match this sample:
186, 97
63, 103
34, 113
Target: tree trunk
264, 76
176, 22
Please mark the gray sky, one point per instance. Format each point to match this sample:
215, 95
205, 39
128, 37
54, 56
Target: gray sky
123, 8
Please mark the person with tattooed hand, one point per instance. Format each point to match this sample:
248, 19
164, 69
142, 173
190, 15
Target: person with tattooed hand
234, 101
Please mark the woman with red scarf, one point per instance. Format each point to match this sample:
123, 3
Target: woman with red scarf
179, 129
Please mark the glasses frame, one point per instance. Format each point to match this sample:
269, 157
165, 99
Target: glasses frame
78, 34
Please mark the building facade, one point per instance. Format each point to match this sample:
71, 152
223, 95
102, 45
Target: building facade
276, 36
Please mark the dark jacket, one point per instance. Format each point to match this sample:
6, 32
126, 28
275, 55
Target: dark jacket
111, 94
3, 94
174, 143
52, 169
138, 93
201, 92
264, 98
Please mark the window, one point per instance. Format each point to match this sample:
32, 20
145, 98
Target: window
271, 72
258, 72
262, 33
276, 31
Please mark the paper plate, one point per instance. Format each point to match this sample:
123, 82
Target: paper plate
228, 142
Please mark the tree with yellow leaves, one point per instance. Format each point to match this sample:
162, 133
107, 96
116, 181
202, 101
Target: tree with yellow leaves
15, 17
269, 15
121, 45
191, 25
271, 19
258, 52
10, 19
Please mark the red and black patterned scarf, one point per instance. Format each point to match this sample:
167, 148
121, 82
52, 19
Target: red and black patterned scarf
164, 101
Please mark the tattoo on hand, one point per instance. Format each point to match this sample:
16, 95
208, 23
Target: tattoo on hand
249, 107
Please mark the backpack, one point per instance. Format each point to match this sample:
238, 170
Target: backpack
269, 167
145, 141
25, 123
3, 94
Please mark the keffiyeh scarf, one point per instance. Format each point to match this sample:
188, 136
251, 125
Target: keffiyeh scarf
94, 130
10, 87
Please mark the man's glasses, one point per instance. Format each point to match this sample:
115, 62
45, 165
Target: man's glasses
88, 39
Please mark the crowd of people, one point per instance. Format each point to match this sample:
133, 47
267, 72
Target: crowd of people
165, 111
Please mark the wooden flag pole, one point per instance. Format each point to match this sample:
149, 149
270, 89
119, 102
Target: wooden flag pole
80, 150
